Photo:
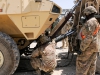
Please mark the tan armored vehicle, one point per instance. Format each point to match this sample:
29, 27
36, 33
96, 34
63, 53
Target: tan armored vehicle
21, 22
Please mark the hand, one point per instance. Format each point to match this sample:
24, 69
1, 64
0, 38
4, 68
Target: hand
79, 52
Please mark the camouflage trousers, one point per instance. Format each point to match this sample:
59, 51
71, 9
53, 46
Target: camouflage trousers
86, 63
38, 64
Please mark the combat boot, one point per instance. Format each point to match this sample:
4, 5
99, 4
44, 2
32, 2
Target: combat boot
38, 71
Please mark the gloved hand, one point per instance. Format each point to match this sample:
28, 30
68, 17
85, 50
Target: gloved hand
79, 52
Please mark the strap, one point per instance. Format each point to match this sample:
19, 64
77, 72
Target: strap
83, 36
96, 31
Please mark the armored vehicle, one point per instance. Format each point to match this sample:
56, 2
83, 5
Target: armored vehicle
23, 21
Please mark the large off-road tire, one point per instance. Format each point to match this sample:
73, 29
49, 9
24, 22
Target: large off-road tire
9, 55
98, 64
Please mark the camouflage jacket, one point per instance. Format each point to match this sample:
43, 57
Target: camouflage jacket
90, 40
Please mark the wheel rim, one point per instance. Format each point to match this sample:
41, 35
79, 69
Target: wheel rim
1, 59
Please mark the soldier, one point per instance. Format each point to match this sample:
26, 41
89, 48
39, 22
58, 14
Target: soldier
64, 41
86, 62
44, 58
67, 27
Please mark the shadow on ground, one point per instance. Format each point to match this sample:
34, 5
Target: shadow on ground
65, 60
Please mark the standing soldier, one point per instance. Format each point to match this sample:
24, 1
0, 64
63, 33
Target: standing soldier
86, 62
66, 28
64, 41
43, 59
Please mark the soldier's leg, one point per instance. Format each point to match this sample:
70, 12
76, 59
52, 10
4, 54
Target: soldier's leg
36, 63
66, 42
38, 71
92, 68
80, 70
63, 43
83, 63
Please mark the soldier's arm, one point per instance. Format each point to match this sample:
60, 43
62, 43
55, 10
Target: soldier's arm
35, 53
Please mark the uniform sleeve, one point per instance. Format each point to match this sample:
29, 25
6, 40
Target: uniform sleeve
35, 53
88, 30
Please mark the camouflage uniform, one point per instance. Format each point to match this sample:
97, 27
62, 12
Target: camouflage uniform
86, 62
44, 58
63, 31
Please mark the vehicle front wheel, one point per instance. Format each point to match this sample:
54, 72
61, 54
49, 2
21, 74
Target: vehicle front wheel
9, 55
